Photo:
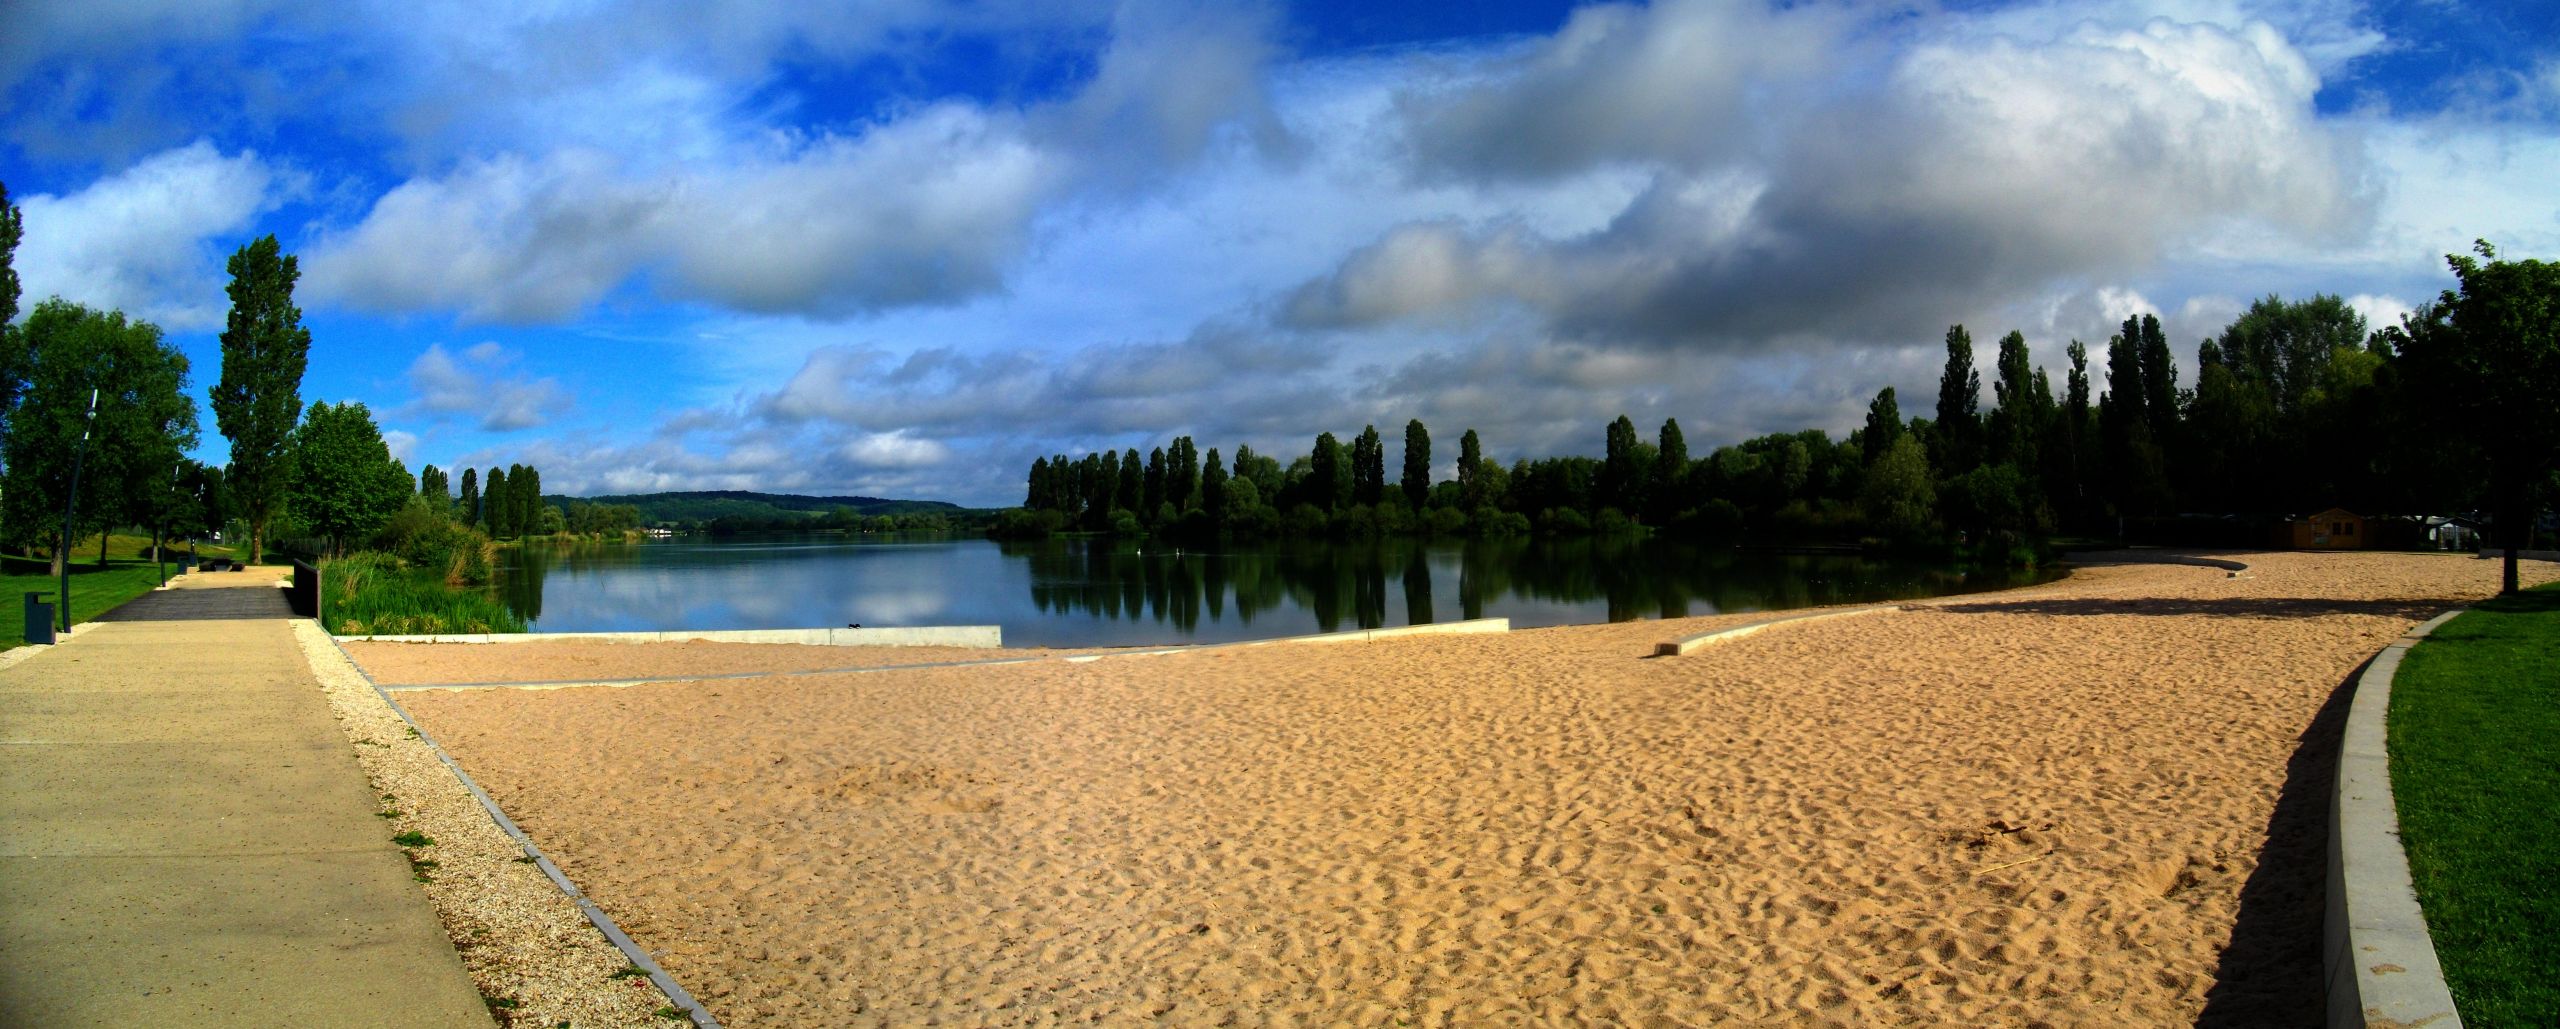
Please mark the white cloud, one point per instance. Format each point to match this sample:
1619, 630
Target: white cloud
475, 385
150, 239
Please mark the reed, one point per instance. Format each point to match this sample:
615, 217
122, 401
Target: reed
371, 593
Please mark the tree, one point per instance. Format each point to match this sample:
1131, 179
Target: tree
433, 485
1368, 467
529, 512
1417, 465
1182, 475
1884, 425
264, 349
345, 482
470, 513
496, 507
1898, 496
1213, 489
2017, 414
1152, 494
1959, 406
1328, 475
13, 356
2136, 470
2488, 371
1132, 487
144, 421
1670, 472
1471, 491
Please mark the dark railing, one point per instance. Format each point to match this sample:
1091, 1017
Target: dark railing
304, 595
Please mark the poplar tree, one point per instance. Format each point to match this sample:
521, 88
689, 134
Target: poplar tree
1884, 425
1132, 485
1213, 489
13, 349
1368, 467
470, 512
1959, 423
529, 486
496, 506
1417, 464
1328, 474
264, 349
1470, 480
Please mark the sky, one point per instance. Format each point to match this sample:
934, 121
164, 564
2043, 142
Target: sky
901, 248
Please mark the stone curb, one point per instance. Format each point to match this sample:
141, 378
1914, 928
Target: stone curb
1693, 644
2376, 957
978, 636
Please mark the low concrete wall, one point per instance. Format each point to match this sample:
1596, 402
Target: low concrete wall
1366, 635
2139, 556
908, 636
2379, 962
1693, 644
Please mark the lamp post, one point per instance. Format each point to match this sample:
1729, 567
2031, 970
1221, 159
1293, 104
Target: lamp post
62, 551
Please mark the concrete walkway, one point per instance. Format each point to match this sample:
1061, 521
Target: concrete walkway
185, 836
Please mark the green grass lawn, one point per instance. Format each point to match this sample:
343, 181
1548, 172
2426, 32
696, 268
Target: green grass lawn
94, 590
2475, 767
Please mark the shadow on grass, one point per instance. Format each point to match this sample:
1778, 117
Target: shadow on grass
2413, 609
2270, 974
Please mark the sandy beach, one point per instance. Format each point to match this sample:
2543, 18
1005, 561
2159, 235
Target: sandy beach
2097, 801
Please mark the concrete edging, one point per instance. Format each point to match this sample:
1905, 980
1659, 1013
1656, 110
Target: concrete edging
976, 636
2377, 961
1693, 644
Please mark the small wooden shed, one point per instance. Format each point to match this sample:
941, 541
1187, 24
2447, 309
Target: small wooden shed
2334, 529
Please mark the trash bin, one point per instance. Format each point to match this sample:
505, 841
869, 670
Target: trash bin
39, 619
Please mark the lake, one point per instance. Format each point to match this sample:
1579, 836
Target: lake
1084, 593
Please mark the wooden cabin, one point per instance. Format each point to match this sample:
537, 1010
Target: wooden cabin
2334, 529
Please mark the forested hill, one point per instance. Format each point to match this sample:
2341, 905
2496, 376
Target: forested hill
703, 506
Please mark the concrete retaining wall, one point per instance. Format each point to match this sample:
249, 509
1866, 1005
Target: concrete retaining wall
1693, 644
2378, 961
1366, 635
908, 636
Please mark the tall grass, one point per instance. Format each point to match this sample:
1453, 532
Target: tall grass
370, 593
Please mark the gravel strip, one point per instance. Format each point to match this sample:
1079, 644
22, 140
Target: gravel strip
533, 955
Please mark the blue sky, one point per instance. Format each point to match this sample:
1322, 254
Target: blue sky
900, 248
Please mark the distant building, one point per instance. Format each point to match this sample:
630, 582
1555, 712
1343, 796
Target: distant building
2334, 529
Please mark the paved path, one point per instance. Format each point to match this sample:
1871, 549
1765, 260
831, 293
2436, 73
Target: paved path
185, 836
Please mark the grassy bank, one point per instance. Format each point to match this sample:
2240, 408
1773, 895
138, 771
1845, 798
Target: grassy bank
2475, 766
94, 591
371, 593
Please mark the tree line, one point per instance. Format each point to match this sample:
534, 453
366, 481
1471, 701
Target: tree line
2294, 407
105, 395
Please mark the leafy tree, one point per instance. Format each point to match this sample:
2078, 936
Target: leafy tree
1959, 406
1131, 490
1153, 492
1416, 481
436, 487
2017, 417
13, 356
1471, 491
345, 482
530, 511
1884, 425
1670, 472
1898, 496
1182, 474
1368, 467
497, 506
2136, 468
1213, 489
2489, 370
264, 349
1328, 475
143, 421
470, 513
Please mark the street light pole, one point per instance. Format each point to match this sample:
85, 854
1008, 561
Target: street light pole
62, 552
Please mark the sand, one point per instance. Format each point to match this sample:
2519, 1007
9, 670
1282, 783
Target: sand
2094, 802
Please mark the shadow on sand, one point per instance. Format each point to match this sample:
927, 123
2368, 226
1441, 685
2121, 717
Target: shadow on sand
2414, 610
2270, 973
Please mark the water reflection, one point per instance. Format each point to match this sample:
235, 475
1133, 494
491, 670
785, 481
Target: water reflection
1111, 593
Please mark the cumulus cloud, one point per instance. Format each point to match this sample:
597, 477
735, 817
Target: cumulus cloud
1677, 82
1981, 167
474, 384
148, 240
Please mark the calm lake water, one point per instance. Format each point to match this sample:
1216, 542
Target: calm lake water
1080, 593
